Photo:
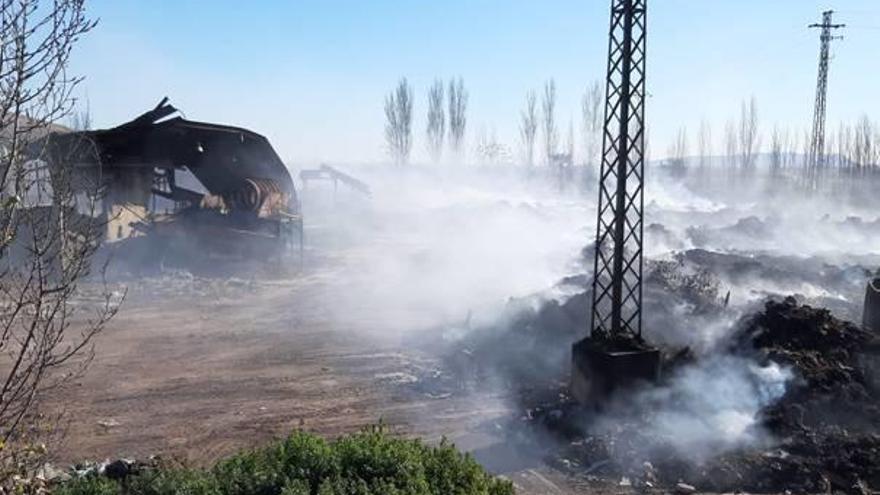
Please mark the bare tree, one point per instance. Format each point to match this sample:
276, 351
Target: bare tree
49, 232
749, 140
809, 178
398, 122
789, 144
844, 143
549, 120
705, 144
875, 158
776, 151
458, 101
678, 151
830, 144
730, 146
793, 148
436, 120
528, 127
591, 113
785, 146
81, 120
863, 147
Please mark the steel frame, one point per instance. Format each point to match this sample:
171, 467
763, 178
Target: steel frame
617, 282
817, 143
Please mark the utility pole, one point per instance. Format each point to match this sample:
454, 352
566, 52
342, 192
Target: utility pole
614, 353
817, 145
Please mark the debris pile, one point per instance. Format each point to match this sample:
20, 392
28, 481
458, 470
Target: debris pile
685, 282
838, 286
540, 330
49, 476
821, 435
828, 421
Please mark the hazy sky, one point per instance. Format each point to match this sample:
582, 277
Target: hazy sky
312, 74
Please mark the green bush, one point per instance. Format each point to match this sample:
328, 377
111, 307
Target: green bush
173, 482
367, 463
88, 485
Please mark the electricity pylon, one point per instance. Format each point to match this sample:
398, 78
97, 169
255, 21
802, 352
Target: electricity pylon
617, 283
816, 158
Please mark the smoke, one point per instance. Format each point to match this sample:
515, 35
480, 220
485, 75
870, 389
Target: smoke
470, 261
443, 247
713, 406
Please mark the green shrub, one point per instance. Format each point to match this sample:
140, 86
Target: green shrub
174, 482
88, 485
300, 457
296, 487
367, 463
453, 473
395, 466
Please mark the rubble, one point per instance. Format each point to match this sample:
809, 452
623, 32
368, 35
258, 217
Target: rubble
118, 469
838, 286
820, 435
822, 432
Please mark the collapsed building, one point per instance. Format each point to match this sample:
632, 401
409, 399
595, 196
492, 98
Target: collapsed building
189, 186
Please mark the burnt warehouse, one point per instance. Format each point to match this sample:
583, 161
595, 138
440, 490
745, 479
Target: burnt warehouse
207, 186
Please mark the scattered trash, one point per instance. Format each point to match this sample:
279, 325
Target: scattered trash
684, 489
108, 423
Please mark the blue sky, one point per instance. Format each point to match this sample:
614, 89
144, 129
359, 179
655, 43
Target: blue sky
312, 74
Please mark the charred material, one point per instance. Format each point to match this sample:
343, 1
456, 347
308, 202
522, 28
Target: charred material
211, 187
871, 311
820, 434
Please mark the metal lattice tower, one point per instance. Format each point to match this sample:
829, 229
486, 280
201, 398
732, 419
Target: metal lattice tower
817, 144
617, 284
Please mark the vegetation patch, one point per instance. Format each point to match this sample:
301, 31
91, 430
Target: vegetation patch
370, 462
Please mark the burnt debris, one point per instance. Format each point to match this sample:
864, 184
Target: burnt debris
819, 436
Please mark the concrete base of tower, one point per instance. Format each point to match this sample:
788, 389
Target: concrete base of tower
600, 370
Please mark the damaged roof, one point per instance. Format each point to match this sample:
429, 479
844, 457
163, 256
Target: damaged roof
220, 156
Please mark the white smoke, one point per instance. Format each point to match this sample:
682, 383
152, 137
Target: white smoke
441, 246
446, 248
712, 406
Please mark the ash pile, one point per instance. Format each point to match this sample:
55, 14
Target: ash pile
787, 397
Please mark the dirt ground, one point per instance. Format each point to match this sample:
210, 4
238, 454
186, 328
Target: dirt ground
197, 368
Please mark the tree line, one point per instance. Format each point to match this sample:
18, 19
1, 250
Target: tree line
852, 150
447, 105
447, 119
